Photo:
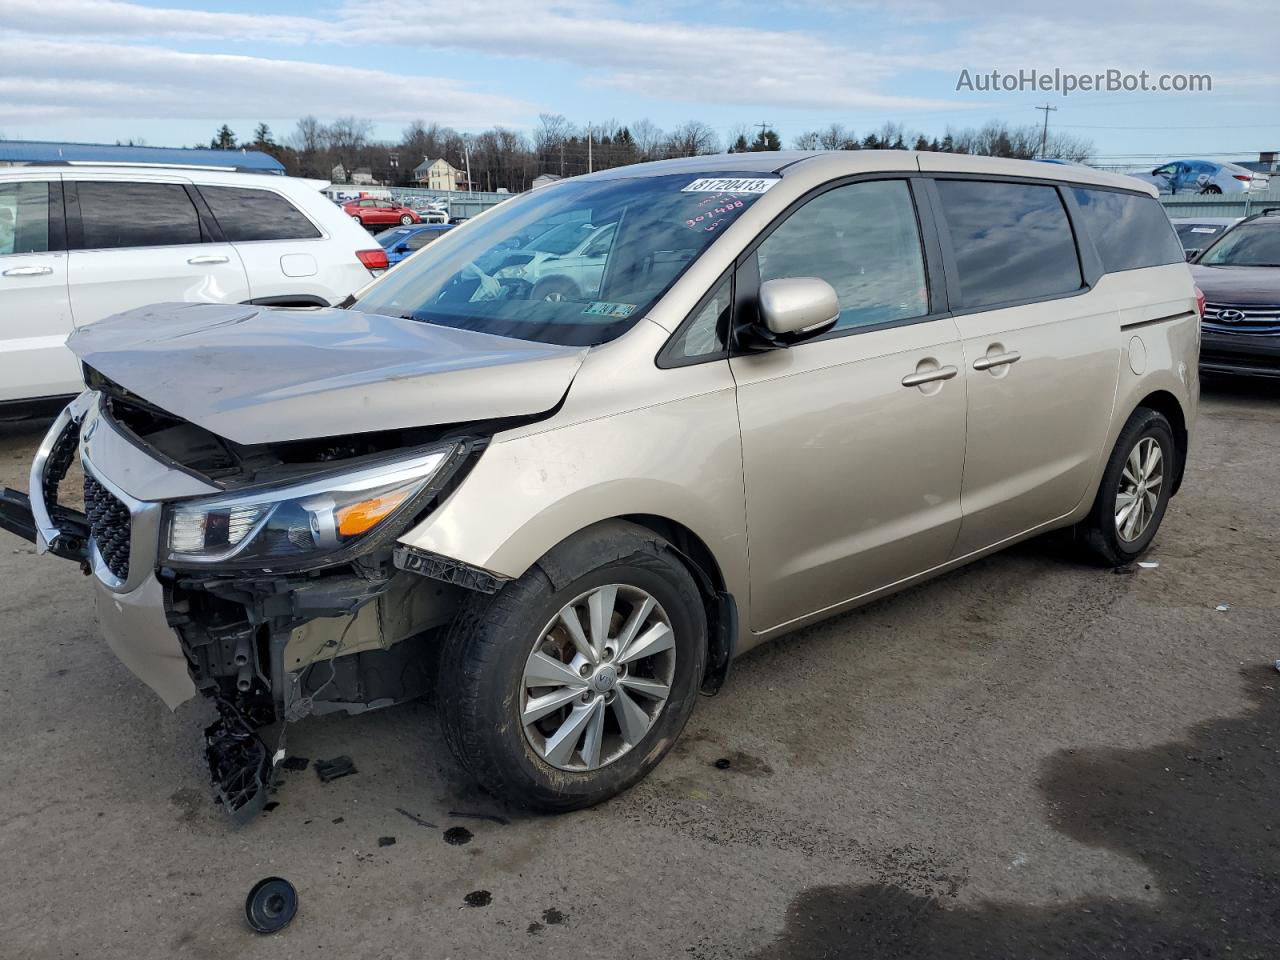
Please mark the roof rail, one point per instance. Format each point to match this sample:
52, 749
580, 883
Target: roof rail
228, 168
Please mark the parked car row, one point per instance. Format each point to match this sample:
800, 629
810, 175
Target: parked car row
79, 243
531, 455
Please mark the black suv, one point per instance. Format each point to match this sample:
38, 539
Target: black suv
1240, 277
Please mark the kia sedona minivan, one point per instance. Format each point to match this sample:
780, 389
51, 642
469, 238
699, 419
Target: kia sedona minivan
80, 242
799, 383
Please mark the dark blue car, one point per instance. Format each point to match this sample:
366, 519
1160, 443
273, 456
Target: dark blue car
399, 242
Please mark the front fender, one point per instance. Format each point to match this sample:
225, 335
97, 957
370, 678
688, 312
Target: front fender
680, 460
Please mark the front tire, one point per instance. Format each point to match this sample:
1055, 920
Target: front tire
571, 683
406, 220
1134, 492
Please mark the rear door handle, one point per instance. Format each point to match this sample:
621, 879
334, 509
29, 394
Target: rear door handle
28, 271
929, 376
997, 360
201, 261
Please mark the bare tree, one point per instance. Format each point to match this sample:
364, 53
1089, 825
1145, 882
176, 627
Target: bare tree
310, 135
648, 139
691, 139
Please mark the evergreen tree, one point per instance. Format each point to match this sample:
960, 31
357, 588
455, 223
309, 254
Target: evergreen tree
740, 145
224, 140
766, 139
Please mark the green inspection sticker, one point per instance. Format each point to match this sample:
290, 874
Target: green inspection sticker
601, 308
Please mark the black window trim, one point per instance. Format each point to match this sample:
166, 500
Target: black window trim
322, 234
1086, 256
209, 231
667, 358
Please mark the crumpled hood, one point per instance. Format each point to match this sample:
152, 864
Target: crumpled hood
1260, 285
261, 374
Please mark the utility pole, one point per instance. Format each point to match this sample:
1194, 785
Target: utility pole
588, 148
1044, 136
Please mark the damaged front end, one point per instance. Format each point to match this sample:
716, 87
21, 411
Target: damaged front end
266, 577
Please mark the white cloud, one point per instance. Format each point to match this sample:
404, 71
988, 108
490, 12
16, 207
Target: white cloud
80, 79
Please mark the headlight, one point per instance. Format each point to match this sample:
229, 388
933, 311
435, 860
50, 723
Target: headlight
292, 525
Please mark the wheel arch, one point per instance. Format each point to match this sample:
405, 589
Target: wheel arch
692, 553
1164, 402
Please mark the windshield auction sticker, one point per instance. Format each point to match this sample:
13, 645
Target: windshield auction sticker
731, 185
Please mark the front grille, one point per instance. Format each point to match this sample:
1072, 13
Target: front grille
108, 526
1251, 319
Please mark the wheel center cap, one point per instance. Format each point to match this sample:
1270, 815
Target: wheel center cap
605, 677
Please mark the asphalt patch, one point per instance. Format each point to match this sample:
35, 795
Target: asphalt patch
1198, 813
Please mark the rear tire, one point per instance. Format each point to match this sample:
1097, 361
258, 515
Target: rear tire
1134, 492
488, 705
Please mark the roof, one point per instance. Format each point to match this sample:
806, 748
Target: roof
48, 151
427, 163
850, 162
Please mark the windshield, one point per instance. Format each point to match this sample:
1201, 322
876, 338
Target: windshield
577, 264
1248, 245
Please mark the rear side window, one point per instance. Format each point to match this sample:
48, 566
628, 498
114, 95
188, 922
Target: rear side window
1129, 231
424, 237
247, 215
136, 215
24, 218
1012, 241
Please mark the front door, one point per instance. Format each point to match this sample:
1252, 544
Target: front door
853, 443
35, 315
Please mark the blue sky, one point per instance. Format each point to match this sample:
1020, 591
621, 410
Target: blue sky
114, 69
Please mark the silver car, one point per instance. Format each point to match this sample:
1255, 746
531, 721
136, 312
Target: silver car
800, 382
1203, 176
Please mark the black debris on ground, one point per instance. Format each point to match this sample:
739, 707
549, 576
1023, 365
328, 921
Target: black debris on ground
295, 763
534, 928
551, 916
478, 898
415, 818
386, 841
724, 763
270, 805
328, 770
457, 836
339, 819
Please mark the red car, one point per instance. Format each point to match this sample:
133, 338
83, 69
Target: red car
379, 213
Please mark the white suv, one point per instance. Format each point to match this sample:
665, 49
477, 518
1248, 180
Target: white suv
80, 243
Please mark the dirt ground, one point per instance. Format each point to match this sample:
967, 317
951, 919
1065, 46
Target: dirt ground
1029, 758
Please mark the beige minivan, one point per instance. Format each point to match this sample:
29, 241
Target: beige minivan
794, 384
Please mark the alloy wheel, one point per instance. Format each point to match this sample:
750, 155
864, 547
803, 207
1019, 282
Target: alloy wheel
597, 678
1139, 491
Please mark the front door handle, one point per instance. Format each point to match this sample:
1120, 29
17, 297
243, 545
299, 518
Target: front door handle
996, 360
929, 376
28, 271
201, 261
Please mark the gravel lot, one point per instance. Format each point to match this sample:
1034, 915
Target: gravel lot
1028, 758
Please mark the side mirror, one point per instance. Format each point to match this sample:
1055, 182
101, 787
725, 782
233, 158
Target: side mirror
1191, 255
798, 306
402, 248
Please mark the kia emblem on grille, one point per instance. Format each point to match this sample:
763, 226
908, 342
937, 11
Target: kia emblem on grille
1230, 316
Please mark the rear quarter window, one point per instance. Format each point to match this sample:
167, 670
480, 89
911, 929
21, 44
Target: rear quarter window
248, 214
1012, 241
1128, 230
